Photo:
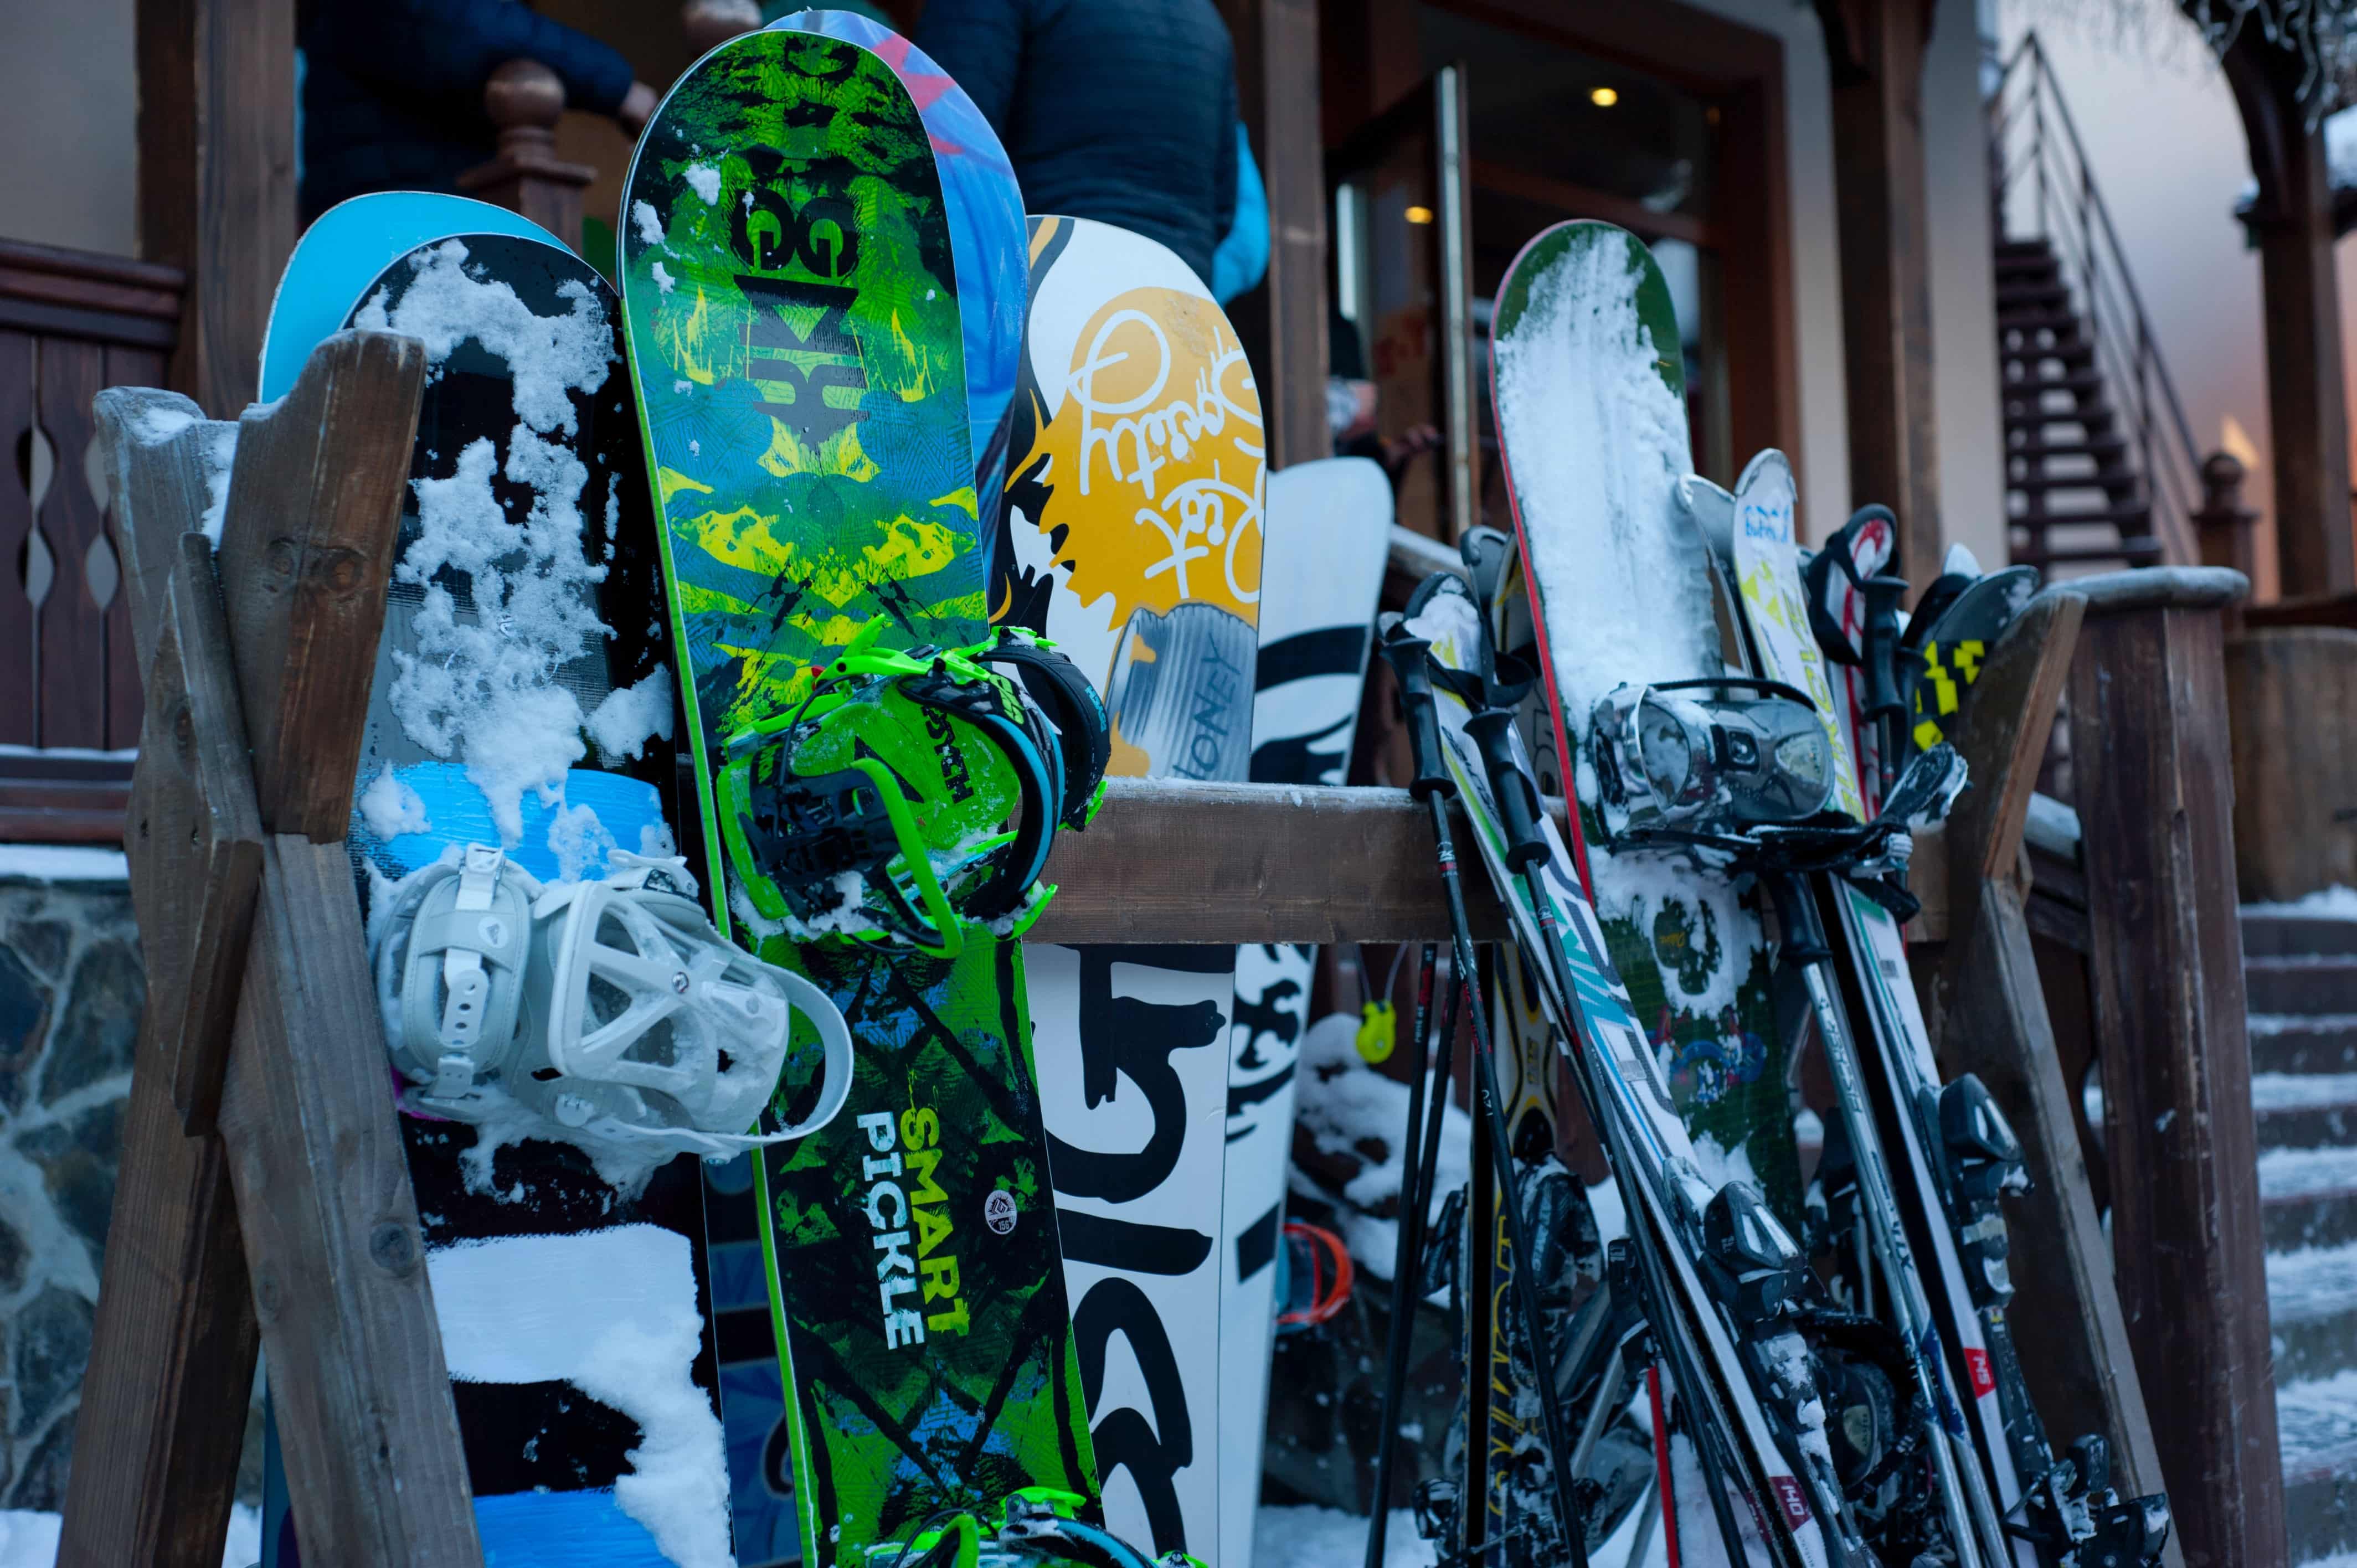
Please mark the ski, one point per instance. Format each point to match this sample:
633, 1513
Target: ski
795, 328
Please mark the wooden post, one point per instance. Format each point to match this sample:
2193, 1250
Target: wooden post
2149, 755
323, 1220
525, 100
217, 178
1877, 48
1276, 75
2227, 530
2308, 405
1990, 1018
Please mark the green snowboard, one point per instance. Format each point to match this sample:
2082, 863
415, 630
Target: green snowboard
792, 310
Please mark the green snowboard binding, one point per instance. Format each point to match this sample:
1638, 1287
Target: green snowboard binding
1035, 1525
915, 793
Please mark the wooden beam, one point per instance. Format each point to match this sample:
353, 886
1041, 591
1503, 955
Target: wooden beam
193, 839
2307, 402
1990, 1019
217, 178
308, 1138
2150, 759
305, 552
1277, 95
1255, 862
1876, 49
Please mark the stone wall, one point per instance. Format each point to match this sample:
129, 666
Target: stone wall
71, 992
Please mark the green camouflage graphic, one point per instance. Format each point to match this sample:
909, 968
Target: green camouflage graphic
794, 325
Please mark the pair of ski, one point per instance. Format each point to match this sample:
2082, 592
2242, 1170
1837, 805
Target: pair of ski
1583, 317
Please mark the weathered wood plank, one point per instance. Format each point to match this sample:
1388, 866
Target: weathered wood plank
1169, 860
305, 552
374, 1468
2150, 758
194, 839
163, 458
2002, 738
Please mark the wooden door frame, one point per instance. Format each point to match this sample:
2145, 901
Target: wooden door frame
1740, 70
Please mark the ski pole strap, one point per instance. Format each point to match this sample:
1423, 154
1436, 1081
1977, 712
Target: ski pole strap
1882, 596
1493, 730
1408, 656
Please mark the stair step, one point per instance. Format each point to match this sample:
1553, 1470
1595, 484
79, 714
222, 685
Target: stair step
2289, 930
2310, 1219
2069, 380
2312, 1310
2295, 1042
2025, 294
2020, 359
2305, 1110
2141, 551
2305, 984
2316, 1425
2123, 518
2117, 481
2094, 416
2025, 318
2103, 448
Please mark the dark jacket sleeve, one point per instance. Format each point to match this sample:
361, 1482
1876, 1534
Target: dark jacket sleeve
437, 47
1223, 187
980, 44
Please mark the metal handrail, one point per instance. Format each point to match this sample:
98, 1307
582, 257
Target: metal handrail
2073, 216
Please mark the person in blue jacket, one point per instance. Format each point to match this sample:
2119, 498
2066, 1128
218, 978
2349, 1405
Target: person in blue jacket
1123, 110
392, 90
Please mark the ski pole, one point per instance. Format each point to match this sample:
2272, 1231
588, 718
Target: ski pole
1408, 654
1884, 707
1406, 1255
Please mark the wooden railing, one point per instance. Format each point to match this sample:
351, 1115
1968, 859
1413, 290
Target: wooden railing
71, 323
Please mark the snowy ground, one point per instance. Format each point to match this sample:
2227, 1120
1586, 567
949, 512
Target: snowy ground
2331, 904
62, 862
30, 1540
1329, 1538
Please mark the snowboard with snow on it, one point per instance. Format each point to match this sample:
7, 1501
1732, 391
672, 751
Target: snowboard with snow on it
1130, 533
795, 328
522, 708
1328, 528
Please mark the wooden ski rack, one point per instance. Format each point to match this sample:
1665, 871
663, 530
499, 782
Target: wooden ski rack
265, 1198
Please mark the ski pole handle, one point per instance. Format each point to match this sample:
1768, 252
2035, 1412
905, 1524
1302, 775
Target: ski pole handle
1493, 730
1796, 917
1882, 596
1407, 655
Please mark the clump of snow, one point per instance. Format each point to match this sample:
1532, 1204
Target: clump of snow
663, 280
655, 843
157, 425
220, 454
1349, 1107
62, 863
547, 355
613, 1313
392, 808
2334, 903
649, 226
631, 716
579, 841
705, 180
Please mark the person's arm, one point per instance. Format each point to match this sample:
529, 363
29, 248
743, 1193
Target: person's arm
1223, 189
980, 44
1242, 259
441, 47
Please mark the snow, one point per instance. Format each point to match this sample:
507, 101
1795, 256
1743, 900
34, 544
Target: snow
613, 1313
157, 425
1349, 1107
630, 716
29, 1538
2052, 826
2307, 1173
390, 808
649, 227
2316, 1420
2334, 903
664, 282
62, 863
73, 753
705, 180
220, 453
547, 355
2300, 1023
2311, 1284
2302, 1090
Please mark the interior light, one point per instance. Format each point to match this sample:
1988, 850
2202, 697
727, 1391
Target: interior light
1603, 97
1419, 214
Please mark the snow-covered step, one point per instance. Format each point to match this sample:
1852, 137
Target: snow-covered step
2305, 982
2284, 936
2290, 1042
2305, 1110
2316, 1425
2307, 1198
2312, 1310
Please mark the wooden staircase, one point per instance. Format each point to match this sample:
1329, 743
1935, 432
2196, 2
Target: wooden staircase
2072, 493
